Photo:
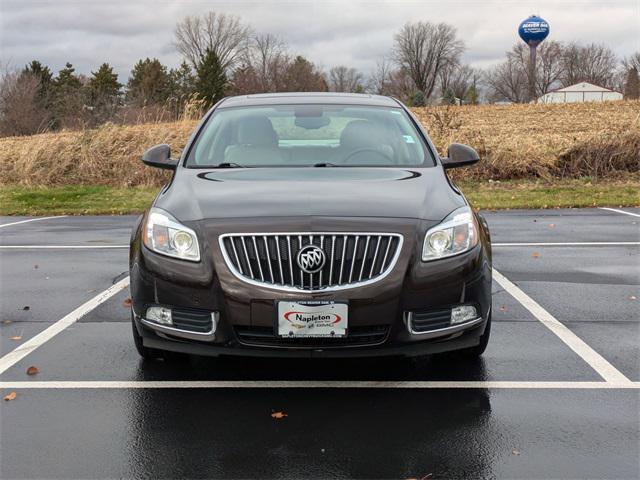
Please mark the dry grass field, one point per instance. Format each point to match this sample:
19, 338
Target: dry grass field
542, 141
545, 142
533, 156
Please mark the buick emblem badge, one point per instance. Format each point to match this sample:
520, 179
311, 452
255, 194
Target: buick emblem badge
311, 259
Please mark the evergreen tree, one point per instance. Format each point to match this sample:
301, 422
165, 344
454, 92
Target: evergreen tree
417, 99
45, 77
182, 82
472, 97
359, 89
211, 80
448, 97
149, 83
181, 87
103, 93
42, 72
67, 103
103, 86
632, 85
67, 78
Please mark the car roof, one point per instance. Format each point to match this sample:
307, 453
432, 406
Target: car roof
293, 98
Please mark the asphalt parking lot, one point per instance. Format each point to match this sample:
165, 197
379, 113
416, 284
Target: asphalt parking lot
556, 395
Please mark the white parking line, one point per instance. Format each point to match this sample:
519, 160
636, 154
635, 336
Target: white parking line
596, 361
31, 220
30, 345
316, 384
612, 376
620, 211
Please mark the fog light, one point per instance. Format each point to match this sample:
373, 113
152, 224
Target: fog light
463, 314
159, 315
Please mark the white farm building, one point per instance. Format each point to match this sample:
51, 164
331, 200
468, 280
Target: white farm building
580, 92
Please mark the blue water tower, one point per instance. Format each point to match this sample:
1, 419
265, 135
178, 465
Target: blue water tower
533, 31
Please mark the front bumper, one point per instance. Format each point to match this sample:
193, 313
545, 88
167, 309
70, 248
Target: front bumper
246, 314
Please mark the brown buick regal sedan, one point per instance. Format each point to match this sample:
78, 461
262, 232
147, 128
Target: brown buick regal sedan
310, 224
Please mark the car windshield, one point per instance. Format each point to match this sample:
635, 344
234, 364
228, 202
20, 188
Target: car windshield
309, 135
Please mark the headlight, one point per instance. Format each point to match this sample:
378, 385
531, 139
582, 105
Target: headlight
163, 234
456, 234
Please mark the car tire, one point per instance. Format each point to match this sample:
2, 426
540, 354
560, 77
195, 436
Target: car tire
478, 350
145, 352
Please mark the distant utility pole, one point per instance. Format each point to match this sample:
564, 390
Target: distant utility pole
533, 31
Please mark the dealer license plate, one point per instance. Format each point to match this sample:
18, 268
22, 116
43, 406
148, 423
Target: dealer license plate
312, 319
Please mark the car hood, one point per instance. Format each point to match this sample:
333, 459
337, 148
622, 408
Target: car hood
420, 193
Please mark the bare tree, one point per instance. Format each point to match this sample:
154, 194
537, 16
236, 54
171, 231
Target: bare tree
423, 49
401, 85
593, 63
345, 79
223, 34
303, 76
244, 81
507, 81
549, 66
268, 58
632, 61
20, 112
622, 74
380, 79
456, 81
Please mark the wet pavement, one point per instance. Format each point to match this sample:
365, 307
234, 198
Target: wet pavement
532, 407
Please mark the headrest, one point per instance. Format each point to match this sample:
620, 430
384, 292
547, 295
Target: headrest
358, 134
257, 131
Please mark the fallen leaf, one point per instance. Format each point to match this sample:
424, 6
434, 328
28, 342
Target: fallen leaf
278, 415
16, 337
26, 307
11, 396
515, 451
536, 255
32, 370
127, 302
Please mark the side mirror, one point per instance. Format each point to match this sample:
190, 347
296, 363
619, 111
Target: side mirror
159, 157
459, 155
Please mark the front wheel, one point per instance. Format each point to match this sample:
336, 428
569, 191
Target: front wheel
478, 350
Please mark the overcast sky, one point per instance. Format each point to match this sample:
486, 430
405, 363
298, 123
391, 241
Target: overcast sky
354, 33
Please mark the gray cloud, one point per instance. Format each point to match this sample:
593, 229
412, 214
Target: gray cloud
354, 33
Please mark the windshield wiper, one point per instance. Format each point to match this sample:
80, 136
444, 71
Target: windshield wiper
228, 165
325, 164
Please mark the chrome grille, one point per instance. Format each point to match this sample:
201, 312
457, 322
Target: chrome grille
352, 259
